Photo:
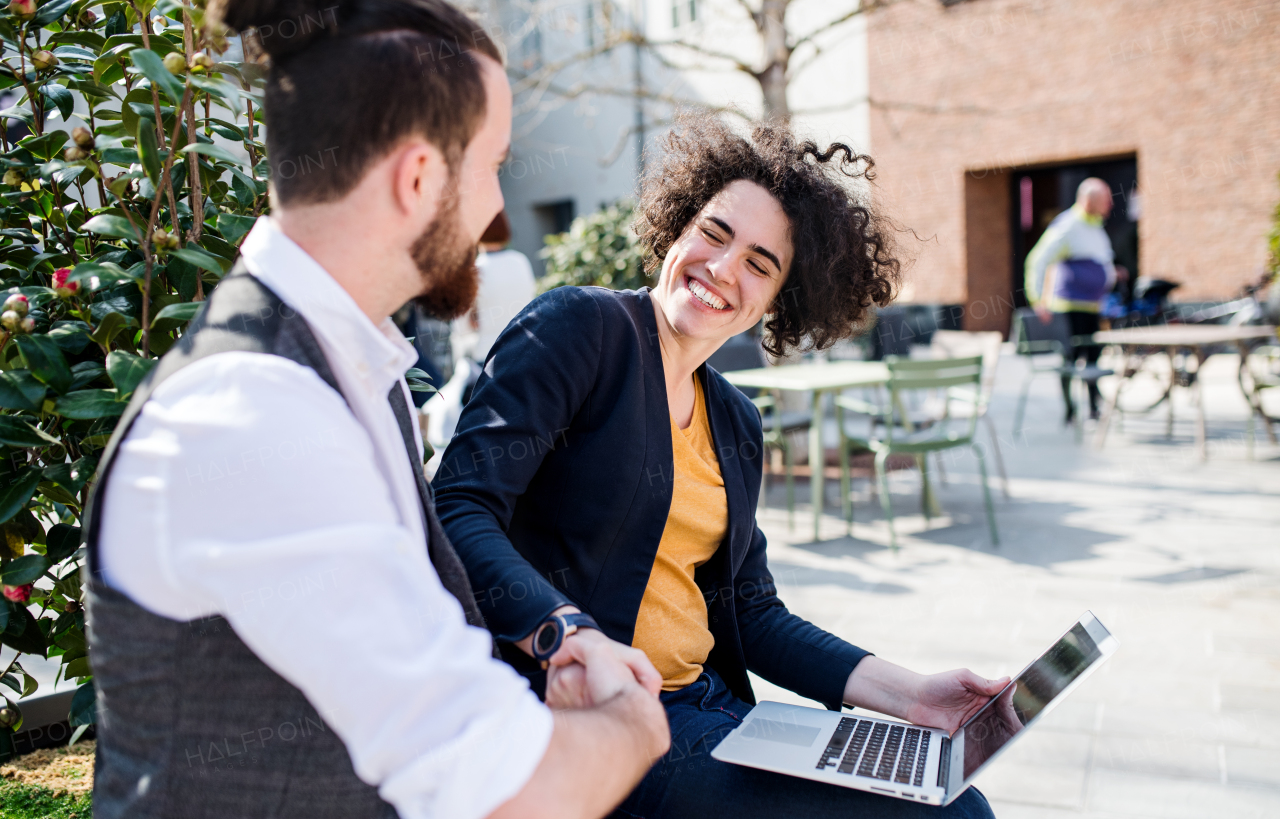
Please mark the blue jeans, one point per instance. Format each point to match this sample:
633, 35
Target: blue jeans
688, 783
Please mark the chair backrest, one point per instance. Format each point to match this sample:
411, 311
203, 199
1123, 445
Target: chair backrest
1031, 336
957, 343
941, 375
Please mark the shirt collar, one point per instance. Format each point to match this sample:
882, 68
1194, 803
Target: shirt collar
378, 354
1087, 218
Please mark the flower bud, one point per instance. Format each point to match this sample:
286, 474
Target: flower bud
202, 63
87, 19
28, 325
23, 9
83, 137
43, 60
17, 303
176, 63
8, 716
18, 594
164, 240
71, 607
74, 154
11, 321
60, 285
13, 176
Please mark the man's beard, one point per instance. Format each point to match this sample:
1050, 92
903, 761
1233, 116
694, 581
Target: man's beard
447, 263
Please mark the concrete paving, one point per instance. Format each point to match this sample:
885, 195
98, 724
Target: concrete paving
1179, 558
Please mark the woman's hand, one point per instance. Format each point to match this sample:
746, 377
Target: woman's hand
949, 699
944, 701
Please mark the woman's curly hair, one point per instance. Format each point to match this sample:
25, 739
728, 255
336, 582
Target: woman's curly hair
843, 259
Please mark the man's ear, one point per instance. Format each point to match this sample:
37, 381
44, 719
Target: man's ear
419, 176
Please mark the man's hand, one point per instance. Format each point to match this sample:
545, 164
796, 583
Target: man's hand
948, 700
1046, 316
590, 669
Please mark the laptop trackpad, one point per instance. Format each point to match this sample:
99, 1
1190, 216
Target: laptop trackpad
774, 731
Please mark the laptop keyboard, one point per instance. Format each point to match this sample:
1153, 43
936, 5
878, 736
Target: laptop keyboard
877, 750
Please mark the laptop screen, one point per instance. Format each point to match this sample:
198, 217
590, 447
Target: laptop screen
1022, 700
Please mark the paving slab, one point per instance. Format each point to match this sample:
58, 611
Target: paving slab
1179, 558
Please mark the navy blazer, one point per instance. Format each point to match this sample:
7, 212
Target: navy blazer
556, 487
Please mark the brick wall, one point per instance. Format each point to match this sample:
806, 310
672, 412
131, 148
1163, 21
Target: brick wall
1192, 87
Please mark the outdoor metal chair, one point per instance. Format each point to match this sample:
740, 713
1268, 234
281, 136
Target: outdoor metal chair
1035, 340
957, 343
743, 352
958, 382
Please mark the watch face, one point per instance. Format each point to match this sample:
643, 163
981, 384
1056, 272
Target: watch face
546, 638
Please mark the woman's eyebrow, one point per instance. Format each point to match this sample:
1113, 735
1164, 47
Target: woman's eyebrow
765, 252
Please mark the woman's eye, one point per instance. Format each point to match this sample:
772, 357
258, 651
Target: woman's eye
711, 235
757, 268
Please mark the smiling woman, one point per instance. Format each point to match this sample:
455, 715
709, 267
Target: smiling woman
640, 509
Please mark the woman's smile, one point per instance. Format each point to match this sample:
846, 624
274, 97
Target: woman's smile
705, 296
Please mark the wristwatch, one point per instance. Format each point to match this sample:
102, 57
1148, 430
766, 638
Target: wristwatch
550, 633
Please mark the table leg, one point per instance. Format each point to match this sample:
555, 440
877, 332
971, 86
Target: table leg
1112, 402
817, 462
1173, 376
1202, 445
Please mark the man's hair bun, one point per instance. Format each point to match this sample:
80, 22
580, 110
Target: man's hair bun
279, 28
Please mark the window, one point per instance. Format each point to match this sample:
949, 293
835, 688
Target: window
554, 217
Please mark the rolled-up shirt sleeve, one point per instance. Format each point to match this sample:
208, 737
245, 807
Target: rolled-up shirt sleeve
262, 501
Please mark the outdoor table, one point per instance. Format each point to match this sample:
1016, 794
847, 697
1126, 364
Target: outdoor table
1169, 339
818, 379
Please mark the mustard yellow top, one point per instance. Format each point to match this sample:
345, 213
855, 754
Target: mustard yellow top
671, 627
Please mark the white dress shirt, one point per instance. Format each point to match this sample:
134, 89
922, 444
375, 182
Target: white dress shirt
248, 488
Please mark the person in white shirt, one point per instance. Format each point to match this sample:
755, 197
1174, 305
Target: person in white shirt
277, 497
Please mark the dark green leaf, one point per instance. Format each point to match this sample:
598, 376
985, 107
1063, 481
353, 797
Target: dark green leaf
192, 254
85, 405
11, 681
214, 152
18, 433
149, 151
46, 146
84, 706
124, 157
44, 359
60, 97
23, 632
234, 227
63, 541
79, 667
20, 390
15, 496
117, 227
24, 570
70, 336
109, 326
106, 272
85, 373
18, 112
150, 64
127, 370
51, 11
74, 52
178, 312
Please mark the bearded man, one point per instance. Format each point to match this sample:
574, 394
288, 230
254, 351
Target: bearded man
278, 624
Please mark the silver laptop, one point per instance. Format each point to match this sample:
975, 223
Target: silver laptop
907, 761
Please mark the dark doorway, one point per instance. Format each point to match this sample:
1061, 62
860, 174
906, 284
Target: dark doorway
1037, 195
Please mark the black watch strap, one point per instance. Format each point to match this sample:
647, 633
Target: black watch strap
582, 620
550, 633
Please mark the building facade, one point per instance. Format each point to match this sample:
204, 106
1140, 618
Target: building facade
986, 113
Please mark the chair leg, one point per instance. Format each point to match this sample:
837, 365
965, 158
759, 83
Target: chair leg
986, 494
923, 462
1022, 404
942, 469
846, 479
995, 448
886, 503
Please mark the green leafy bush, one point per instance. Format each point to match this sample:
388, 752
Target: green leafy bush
119, 212
598, 249
33, 802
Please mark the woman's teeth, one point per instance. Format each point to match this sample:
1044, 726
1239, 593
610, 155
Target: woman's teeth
705, 296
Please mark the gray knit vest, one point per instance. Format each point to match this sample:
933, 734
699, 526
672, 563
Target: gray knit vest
191, 724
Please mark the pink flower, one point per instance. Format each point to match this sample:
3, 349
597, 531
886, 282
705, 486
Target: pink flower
60, 283
18, 594
23, 8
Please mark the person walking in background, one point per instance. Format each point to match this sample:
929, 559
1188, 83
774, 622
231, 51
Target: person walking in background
1070, 270
506, 286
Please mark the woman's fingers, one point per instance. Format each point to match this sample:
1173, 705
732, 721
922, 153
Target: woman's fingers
643, 669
